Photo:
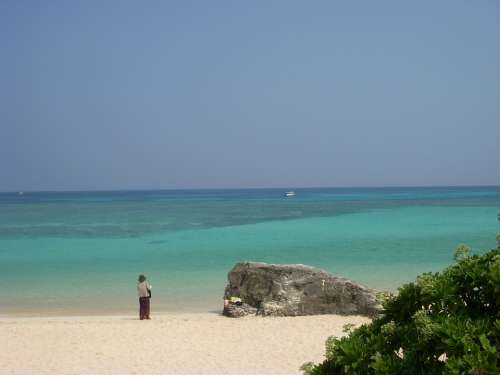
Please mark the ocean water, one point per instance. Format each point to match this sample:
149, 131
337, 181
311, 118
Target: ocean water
81, 252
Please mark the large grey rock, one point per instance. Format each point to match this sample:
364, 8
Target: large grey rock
292, 290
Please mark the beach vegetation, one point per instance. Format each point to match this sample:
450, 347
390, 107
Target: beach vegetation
443, 323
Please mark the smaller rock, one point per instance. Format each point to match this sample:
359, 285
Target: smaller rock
237, 311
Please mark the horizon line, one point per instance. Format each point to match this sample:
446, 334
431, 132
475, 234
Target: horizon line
245, 188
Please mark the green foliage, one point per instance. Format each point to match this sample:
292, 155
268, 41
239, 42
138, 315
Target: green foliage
461, 252
382, 296
307, 367
443, 323
498, 234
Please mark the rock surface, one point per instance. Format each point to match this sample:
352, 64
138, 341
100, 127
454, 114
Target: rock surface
292, 290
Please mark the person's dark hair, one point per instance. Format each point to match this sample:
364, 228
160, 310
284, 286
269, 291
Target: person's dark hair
142, 278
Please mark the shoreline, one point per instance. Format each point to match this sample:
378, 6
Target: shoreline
110, 307
69, 312
177, 343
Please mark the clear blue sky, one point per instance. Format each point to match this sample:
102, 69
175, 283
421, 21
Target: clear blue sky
157, 94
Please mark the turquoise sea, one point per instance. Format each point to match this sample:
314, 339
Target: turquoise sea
81, 252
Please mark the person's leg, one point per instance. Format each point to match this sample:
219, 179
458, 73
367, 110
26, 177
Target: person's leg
141, 308
147, 307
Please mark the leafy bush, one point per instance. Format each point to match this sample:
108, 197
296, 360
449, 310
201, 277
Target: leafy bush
443, 323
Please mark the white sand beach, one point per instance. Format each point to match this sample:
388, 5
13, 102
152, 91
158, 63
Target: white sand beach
179, 344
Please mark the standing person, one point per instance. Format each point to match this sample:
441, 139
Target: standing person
144, 291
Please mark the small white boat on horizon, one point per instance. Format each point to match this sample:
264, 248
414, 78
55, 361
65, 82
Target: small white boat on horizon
289, 194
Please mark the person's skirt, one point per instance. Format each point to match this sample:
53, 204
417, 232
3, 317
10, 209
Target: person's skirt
143, 308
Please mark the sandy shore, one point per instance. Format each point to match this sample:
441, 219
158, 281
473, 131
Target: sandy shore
168, 344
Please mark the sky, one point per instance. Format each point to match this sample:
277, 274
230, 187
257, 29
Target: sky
98, 95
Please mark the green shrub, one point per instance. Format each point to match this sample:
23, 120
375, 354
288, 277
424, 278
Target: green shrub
443, 323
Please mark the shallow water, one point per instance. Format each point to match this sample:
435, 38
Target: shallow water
81, 252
